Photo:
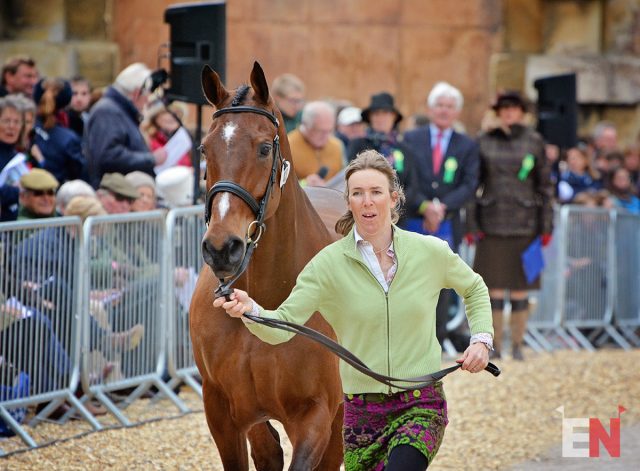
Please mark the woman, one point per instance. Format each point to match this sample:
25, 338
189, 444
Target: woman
622, 191
378, 288
513, 209
12, 163
60, 147
580, 174
146, 188
383, 118
161, 122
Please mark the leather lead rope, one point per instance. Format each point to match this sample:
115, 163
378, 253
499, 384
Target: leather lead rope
416, 383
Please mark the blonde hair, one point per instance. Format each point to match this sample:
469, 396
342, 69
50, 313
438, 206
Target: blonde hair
374, 160
84, 206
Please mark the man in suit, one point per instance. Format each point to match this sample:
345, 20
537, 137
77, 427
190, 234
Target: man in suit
442, 178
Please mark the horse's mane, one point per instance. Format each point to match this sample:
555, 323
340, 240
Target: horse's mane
241, 94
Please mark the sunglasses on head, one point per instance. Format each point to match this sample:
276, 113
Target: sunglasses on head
43, 192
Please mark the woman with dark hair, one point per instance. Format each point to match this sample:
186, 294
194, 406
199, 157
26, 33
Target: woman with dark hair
378, 287
382, 135
513, 207
60, 147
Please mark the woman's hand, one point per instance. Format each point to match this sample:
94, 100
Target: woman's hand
239, 304
475, 358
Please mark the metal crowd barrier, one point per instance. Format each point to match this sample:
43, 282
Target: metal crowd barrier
627, 258
39, 314
582, 301
124, 313
129, 278
185, 229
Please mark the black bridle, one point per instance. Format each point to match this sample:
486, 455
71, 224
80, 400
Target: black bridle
257, 226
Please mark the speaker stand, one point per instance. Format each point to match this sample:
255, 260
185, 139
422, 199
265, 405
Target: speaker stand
195, 154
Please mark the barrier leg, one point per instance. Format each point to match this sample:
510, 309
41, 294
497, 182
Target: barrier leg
581, 339
16, 427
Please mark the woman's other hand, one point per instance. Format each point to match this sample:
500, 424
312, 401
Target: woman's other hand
239, 304
475, 358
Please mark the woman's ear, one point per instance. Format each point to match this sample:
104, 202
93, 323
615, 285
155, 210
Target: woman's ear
394, 197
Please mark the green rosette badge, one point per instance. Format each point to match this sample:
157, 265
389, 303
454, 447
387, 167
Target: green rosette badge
398, 160
528, 162
450, 167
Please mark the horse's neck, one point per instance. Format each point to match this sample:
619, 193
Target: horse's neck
294, 234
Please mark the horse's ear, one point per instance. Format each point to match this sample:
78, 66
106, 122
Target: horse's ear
212, 86
259, 84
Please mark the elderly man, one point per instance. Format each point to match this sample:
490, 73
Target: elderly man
443, 177
19, 75
317, 154
113, 141
116, 194
37, 195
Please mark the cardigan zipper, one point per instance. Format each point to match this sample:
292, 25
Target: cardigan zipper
386, 300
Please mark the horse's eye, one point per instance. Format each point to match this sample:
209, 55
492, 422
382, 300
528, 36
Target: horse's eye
265, 150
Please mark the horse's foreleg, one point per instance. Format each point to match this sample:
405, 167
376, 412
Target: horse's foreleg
265, 447
310, 434
231, 442
334, 454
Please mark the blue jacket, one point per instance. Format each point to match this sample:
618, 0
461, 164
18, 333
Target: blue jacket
62, 151
8, 193
112, 140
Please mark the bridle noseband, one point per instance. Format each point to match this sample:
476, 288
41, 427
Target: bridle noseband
256, 227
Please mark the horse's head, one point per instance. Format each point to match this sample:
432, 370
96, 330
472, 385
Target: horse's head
245, 169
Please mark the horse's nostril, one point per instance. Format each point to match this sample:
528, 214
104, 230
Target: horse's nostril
235, 249
227, 257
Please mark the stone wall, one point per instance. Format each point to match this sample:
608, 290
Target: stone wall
349, 49
599, 40
65, 37
345, 49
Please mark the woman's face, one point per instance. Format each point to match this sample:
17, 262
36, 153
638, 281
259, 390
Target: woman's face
510, 115
621, 179
146, 200
370, 201
382, 120
167, 123
576, 161
10, 125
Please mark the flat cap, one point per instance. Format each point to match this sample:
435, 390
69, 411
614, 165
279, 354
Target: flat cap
116, 183
38, 179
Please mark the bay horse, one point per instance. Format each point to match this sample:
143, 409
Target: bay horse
246, 382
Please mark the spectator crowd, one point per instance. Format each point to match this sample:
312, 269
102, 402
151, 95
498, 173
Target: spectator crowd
69, 149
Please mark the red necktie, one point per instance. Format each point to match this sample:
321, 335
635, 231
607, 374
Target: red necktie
436, 155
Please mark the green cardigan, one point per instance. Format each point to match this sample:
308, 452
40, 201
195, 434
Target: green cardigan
394, 333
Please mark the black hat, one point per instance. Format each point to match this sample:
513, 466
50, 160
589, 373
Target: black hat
381, 101
510, 98
62, 99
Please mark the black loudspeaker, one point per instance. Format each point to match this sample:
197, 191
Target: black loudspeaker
558, 110
197, 37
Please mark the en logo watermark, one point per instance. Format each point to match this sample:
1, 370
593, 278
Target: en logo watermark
595, 434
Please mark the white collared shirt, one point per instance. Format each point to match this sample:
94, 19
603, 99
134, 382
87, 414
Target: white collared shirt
366, 250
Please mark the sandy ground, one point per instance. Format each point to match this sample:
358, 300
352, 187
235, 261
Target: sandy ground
508, 422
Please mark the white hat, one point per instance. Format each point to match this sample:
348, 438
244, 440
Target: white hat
175, 186
349, 115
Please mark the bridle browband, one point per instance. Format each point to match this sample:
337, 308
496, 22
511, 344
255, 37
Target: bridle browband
256, 227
